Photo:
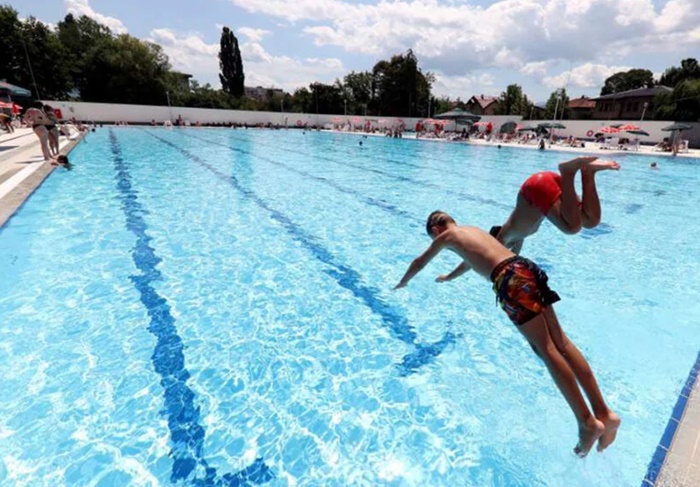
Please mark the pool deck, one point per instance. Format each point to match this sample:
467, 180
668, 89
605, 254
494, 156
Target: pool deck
676, 461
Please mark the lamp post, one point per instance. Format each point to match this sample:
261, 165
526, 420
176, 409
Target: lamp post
646, 104
170, 109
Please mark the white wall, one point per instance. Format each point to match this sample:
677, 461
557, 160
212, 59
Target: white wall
109, 113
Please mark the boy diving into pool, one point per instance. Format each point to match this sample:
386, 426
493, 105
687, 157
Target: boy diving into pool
553, 196
522, 290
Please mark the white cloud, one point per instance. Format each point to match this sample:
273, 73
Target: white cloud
458, 38
464, 86
190, 53
584, 76
254, 35
82, 7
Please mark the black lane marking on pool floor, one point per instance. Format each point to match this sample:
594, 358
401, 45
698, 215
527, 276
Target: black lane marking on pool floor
344, 275
186, 434
404, 179
365, 199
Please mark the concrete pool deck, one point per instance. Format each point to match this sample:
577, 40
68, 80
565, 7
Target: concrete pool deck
676, 461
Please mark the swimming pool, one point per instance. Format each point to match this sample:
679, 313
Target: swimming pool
214, 307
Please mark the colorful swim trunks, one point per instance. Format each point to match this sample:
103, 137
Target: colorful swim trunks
521, 289
542, 190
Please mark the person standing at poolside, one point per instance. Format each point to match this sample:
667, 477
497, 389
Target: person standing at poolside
54, 133
522, 290
40, 121
553, 196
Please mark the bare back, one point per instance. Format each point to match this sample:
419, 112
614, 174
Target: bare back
480, 251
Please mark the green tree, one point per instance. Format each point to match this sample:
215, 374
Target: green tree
302, 101
48, 58
557, 104
79, 38
231, 64
126, 70
628, 80
358, 89
400, 87
326, 99
513, 102
12, 61
683, 104
689, 69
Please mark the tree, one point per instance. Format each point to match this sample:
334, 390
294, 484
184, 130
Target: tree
683, 104
400, 87
11, 54
358, 89
628, 80
48, 58
126, 70
231, 64
326, 99
513, 102
557, 105
689, 69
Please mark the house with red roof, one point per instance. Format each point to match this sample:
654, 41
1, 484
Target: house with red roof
582, 108
483, 105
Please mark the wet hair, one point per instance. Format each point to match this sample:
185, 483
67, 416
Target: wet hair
437, 218
63, 161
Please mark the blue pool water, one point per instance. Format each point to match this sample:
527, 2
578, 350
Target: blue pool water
214, 307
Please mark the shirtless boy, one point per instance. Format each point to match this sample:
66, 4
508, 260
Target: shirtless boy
553, 196
522, 290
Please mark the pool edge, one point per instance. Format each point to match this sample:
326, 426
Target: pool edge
11, 203
682, 427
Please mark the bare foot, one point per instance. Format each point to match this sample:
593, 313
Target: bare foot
601, 165
612, 423
575, 164
588, 434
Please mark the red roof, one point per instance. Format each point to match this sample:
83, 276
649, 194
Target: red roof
484, 100
582, 102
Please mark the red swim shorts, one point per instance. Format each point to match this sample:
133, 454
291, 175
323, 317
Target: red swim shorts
542, 190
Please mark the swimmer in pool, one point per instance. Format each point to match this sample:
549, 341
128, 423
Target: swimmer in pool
523, 292
553, 196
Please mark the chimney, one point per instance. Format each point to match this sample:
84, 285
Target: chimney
482, 96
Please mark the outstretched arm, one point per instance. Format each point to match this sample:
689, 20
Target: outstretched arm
421, 261
459, 270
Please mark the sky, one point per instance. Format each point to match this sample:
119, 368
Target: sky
473, 47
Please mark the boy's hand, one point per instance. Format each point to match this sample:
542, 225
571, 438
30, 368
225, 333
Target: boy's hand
442, 278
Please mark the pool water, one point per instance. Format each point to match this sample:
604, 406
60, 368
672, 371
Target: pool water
214, 307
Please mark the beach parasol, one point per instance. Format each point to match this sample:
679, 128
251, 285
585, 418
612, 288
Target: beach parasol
509, 127
551, 125
680, 127
459, 115
625, 127
609, 130
528, 128
637, 132
14, 90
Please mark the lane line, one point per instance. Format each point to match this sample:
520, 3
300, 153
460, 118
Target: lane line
186, 434
348, 278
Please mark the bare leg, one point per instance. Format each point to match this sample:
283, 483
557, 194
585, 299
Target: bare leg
590, 208
590, 429
566, 215
584, 375
42, 133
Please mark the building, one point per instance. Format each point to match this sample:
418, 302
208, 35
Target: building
182, 81
626, 105
581, 108
483, 105
262, 94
